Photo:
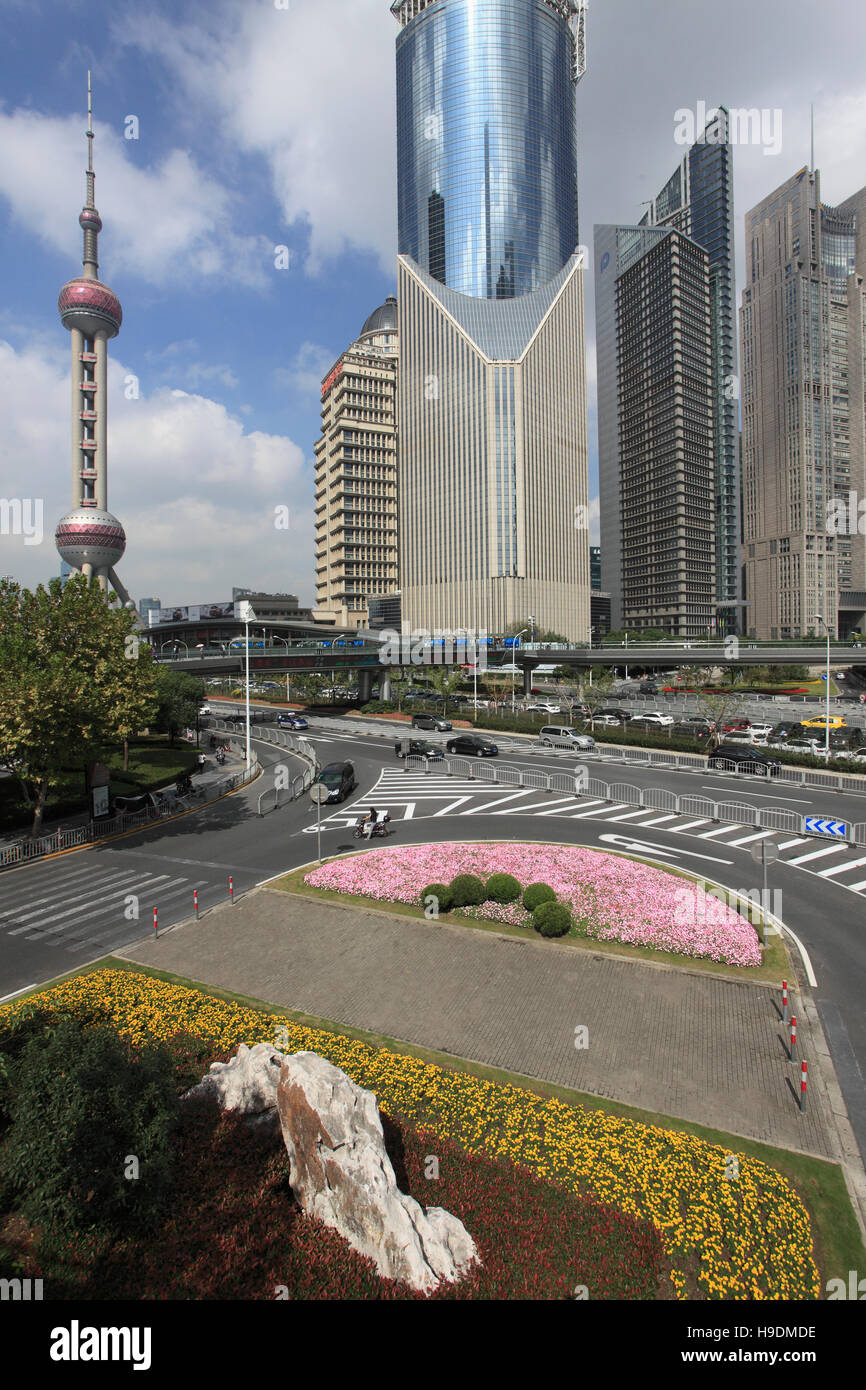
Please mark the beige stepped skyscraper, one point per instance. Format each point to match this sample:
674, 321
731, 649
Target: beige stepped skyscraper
803, 349
356, 475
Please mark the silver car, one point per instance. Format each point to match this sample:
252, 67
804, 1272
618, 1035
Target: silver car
562, 736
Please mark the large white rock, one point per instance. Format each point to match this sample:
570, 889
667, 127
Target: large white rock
247, 1084
340, 1172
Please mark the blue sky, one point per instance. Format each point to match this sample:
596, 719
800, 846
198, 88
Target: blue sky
261, 126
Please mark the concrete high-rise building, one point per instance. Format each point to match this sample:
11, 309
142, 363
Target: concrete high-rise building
803, 349
88, 537
356, 475
146, 606
698, 200
655, 429
491, 403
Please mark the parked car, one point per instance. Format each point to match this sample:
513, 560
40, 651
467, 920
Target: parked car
431, 721
820, 722
339, 778
563, 736
648, 688
749, 760
694, 727
291, 721
205, 709
473, 746
762, 731
542, 707
581, 711
620, 716
780, 731
652, 720
735, 726
418, 747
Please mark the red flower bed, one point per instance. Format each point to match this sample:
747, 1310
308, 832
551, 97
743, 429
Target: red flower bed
234, 1231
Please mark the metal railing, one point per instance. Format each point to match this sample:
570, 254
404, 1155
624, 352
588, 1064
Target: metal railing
23, 851
290, 790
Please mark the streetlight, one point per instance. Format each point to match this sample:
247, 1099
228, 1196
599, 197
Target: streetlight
820, 619
514, 665
531, 622
247, 616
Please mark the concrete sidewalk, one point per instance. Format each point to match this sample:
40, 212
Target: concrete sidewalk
683, 1044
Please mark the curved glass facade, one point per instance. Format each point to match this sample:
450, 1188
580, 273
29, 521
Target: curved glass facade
486, 157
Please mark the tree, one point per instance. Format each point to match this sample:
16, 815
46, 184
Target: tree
717, 710
445, 682
180, 696
597, 694
74, 676
399, 685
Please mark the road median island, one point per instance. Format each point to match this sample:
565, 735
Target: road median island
737, 1218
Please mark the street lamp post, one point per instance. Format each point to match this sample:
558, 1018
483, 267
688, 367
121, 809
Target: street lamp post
514, 665
820, 619
248, 616
531, 622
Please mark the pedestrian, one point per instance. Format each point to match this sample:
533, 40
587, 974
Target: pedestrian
201, 762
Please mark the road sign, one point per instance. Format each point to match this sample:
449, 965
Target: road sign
764, 853
319, 792
820, 825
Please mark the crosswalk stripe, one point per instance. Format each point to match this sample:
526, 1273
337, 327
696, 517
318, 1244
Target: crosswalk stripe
630, 815
855, 887
841, 868
61, 894
790, 844
539, 805
512, 796
109, 890
660, 820
720, 830
560, 810
107, 907
690, 825
596, 814
452, 806
78, 944
817, 854
747, 839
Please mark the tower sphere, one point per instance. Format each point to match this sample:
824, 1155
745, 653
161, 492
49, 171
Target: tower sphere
89, 305
89, 220
88, 536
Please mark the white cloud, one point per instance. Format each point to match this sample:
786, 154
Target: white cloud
306, 371
196, 493
169, 223
309, 88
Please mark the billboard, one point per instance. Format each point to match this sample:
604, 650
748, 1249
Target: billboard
192, 613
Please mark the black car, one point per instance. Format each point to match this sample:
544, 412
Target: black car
417, 747
648, 688
431, 721
611, 712
339, 778
744, 759
472, 746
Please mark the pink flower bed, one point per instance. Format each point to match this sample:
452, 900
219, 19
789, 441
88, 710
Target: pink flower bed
612, 898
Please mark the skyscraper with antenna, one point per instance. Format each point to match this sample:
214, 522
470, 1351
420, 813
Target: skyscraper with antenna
89, 537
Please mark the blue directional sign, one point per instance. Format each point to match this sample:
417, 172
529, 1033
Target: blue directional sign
820, 825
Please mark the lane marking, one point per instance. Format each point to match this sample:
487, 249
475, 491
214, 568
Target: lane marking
747, 839
660, 820
115, 890
630, 815
721, 830
690, 825
39, 932
841, 868
789, 844
596, 815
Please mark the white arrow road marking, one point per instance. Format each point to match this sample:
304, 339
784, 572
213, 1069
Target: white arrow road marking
659, 849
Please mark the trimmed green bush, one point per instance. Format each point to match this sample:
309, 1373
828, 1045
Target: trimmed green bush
551, 919
82, 1105
467, 891
502, 888
441, 892
536, 894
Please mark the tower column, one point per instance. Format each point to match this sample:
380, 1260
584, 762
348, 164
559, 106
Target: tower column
100, 347
76, 343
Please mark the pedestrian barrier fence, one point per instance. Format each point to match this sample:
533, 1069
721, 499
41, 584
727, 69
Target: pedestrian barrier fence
624, 793
23, 851
273, 797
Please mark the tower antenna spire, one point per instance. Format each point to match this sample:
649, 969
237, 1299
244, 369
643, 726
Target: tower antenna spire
812, 143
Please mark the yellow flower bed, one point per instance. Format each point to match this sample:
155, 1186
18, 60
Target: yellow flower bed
743, 1237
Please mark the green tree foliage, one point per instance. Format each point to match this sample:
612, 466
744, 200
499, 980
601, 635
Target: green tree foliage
82, 1106
445, 682
74, 676
180, 696
552, 919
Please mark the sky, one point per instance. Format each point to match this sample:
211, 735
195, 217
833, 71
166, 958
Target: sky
229, 129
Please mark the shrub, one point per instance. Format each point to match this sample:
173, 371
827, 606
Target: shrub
503, 888
82, 1102
467, 891
551, 919
536, 894
441, 892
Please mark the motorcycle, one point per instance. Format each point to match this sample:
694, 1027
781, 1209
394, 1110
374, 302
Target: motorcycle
184, 785
381, 828
220, 757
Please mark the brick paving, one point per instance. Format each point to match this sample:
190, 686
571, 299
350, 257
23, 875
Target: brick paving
695, 1047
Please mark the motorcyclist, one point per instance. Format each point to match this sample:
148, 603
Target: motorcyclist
369, 822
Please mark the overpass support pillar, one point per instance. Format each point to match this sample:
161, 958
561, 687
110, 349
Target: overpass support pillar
365, 684
527, 680
384, 685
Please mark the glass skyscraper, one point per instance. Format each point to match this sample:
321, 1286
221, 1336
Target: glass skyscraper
493, 475
486, 143
698, 200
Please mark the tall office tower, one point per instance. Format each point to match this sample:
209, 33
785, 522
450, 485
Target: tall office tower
88, 537
655, 429
491, 404
356, 475
698, 199
804, 415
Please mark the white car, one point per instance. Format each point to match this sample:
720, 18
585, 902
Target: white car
205, 709
544, 707
655, 718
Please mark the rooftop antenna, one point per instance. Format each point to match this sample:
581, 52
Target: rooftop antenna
812, 147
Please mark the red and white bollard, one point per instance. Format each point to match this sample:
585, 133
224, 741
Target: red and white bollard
195, 902
803, 1087
231, 889
155, 923
784, 1001
793, 1038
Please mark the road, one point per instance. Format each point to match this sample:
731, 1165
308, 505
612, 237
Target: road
60, 914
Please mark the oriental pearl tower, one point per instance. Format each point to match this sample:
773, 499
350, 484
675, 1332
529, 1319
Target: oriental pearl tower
88, 537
